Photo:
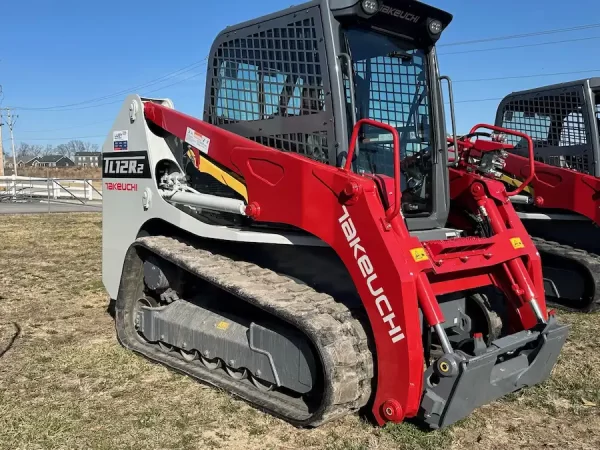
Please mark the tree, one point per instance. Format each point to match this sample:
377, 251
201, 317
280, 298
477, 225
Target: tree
61, 149
75, 146
27, 151
89, 147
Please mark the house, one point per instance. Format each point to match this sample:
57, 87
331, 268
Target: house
52, 161
87, 159
8, 162
33, 162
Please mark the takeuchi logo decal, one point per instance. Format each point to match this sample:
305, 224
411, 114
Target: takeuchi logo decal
368, 272
395, 12
129, 187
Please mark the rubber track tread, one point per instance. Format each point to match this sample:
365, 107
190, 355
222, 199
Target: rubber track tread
338, 336
590, 260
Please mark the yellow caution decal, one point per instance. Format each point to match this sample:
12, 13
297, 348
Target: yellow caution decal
206, 166
517, 243
222, 325
419, 254
516, 183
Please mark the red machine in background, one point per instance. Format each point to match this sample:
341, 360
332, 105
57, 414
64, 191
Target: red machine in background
560, 207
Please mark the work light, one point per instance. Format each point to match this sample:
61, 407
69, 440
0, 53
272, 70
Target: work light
370, 6
435, 27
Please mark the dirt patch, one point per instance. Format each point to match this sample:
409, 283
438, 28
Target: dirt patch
66, 382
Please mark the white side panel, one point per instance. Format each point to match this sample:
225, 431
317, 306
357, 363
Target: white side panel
123, 210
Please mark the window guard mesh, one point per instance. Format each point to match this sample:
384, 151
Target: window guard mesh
557, 125
273, 73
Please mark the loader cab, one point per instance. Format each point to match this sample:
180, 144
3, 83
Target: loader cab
562, 120
298, 80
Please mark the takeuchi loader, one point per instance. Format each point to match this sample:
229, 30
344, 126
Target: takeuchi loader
560, 207
306, 246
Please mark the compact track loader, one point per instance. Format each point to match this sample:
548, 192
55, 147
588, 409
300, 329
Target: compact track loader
305, 246
560, 207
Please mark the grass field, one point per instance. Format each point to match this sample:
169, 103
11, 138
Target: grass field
66, 383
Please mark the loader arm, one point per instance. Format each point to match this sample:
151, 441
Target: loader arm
288, 188
394, 273
557, 188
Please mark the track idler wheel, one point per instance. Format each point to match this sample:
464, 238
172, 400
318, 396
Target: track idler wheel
144, 302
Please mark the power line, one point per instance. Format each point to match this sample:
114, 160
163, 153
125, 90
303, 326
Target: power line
479, 100
66, 128
535, 75
524, 35
120, 100
475, 100
65, 138
68, 107
520, 46
77, 106
203, 61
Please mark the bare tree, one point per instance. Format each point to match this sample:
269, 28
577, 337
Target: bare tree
27, 151
49, 150
75, 146
89, 147
23, 150
61, 149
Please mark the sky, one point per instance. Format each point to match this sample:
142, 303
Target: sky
87, 56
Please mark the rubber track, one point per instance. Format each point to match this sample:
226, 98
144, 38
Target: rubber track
339, 337
590, 261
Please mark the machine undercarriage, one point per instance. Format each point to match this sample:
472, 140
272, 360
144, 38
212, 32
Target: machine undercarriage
571, 273
303, 357
270, 335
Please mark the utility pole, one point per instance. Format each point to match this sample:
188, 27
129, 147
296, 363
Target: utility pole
11, 124
1, 148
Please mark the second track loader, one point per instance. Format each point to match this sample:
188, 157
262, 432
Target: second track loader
305, 246
560, 207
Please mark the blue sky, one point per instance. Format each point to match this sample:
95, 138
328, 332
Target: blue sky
68, 52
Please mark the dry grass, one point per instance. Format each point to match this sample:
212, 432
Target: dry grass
66, 383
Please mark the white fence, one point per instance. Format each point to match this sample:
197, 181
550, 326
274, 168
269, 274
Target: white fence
51, 189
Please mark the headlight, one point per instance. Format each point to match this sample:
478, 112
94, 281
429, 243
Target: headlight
435, 27
370, 6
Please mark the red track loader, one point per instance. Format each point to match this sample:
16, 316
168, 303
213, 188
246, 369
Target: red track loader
560, 207
305, 246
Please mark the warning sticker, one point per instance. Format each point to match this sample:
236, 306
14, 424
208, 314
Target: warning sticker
197, 140
120, 140
517, 243
222, 325
419, 254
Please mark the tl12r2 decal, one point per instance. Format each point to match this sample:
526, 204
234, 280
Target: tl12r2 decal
126, 165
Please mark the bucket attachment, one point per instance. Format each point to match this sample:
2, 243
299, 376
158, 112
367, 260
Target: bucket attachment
458, 383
